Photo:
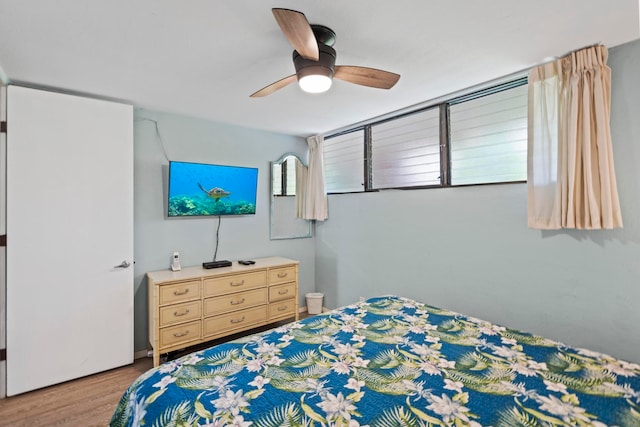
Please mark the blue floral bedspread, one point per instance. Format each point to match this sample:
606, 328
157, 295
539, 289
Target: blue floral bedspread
388, 361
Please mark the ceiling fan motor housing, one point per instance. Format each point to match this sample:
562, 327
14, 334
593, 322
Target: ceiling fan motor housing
324, 35
325, 64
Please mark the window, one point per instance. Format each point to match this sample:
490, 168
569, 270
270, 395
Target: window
405, 152
276, 179
488, 138
478, 138
344, 162
284, 177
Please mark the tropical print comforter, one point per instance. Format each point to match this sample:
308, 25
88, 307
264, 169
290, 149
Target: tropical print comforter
387, 361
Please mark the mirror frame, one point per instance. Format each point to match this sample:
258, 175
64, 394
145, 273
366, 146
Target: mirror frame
309, 230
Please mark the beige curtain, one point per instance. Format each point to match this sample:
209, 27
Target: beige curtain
571, 178
315, 206
302, 173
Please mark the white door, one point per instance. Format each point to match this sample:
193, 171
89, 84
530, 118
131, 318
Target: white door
69, 224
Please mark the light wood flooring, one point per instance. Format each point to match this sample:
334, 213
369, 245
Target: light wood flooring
88, 401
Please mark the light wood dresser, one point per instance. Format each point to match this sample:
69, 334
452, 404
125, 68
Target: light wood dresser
196, 305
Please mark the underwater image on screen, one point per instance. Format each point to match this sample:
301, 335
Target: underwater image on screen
197, 189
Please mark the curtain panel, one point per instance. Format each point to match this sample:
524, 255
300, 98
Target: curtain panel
315, 202
302, 173
571, 178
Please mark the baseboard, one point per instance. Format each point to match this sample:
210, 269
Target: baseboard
305, 310
142, 354
3, 377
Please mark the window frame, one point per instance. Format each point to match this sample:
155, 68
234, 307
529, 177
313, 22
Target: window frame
445, 138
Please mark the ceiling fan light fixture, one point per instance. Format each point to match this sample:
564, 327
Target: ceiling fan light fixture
315, 76
315, 83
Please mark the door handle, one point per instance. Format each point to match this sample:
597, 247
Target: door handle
123, 264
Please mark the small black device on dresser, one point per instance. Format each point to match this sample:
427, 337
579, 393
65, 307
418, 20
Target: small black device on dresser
216, 264
246, 262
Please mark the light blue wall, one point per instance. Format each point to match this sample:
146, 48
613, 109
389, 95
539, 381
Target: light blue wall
156, 237
469, 249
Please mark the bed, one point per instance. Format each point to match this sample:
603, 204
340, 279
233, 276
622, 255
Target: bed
387, 361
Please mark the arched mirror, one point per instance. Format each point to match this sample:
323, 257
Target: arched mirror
288, 175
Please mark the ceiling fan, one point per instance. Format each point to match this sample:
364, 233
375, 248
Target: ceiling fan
314, 59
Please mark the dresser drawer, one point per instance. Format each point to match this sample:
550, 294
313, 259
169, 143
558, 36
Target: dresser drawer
178, 292
280, 275
220, 325
234, 283
179, 334
233, 302
177, 313
282, 309
280, 292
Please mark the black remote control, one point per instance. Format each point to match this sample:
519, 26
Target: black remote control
246, 262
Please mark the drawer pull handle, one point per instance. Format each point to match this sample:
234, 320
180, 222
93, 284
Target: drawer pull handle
177, 335
282, 308
186, 291
237, 320
283, 291
184, 313
240, 283
281, 275
237, 302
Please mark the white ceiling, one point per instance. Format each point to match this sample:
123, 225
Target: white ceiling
204, 58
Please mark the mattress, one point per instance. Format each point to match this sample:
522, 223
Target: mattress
387, 361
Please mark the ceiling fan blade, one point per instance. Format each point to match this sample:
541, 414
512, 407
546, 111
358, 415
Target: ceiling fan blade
268, 90
364, 76
296, 28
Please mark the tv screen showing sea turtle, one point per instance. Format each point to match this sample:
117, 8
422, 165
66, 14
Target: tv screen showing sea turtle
197, 189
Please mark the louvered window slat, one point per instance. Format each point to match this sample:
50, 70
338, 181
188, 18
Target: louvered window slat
276, 181
343, 163
291, 177
405, 152
489, 138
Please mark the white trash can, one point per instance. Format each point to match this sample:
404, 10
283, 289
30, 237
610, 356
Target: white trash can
314, 302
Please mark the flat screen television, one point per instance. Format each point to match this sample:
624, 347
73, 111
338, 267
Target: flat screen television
198, 189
